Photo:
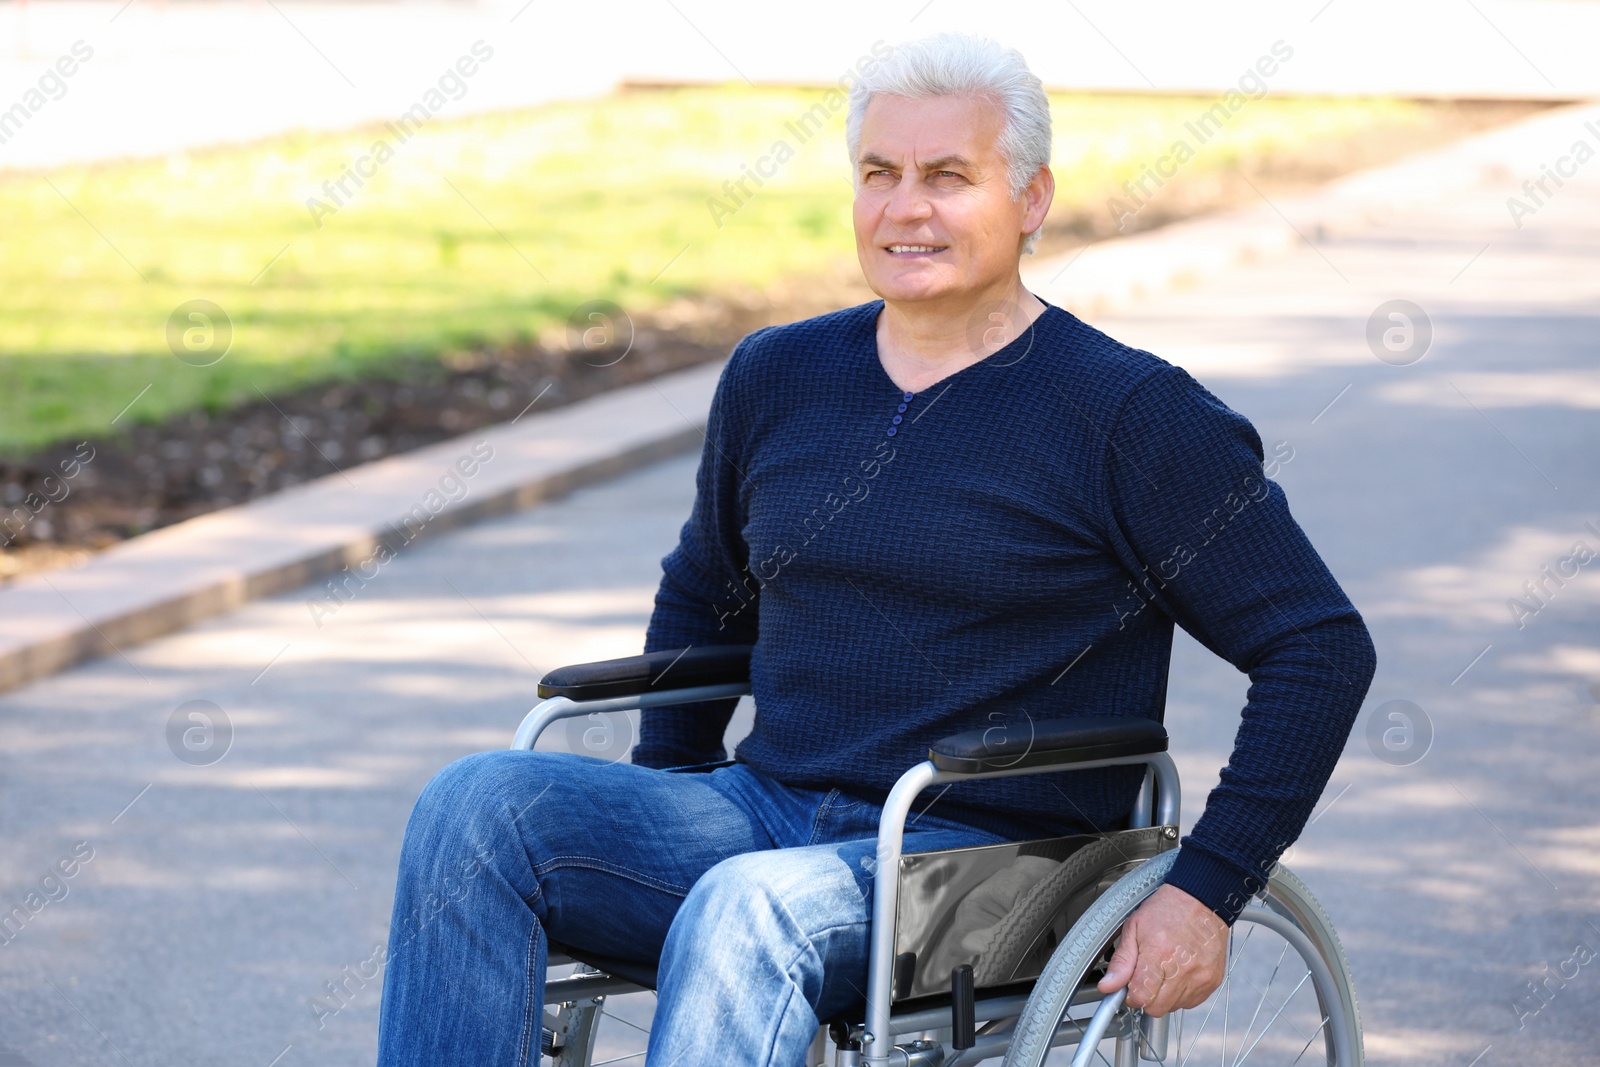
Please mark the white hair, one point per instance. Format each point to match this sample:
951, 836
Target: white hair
955, 64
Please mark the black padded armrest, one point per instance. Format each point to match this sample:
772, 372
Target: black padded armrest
651, 672
1053, 743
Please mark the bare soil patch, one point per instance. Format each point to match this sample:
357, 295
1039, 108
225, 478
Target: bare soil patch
151, 476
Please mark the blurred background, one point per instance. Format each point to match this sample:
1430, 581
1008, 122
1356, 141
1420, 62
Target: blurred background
257, 246
396, 245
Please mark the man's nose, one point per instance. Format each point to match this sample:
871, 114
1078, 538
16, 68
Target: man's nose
909, 202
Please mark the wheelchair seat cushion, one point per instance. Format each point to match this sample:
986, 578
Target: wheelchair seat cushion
643, 974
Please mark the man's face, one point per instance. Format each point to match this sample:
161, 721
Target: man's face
934, 216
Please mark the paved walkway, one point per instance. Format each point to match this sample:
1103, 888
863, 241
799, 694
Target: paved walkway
220, 898
1436, 490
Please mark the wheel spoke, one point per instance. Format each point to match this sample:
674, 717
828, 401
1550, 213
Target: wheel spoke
619, 1059
1285, 1011
1222, 1054
1083, 1027
1227, 993
1081, 1024
1232, 966
1320, 1027
1257, 1013
624, 1022
1264, 1029
1270, 1004
1196, 1040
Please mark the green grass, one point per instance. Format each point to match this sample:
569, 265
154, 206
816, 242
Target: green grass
479, 230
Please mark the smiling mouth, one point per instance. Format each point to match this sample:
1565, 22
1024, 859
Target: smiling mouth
915, 249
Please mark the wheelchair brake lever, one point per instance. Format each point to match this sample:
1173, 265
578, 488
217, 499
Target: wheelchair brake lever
963, 1020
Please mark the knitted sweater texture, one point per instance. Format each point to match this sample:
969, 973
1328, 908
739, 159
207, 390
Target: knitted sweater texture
1017, 549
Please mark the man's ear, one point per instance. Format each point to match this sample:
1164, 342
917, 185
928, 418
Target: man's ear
1036, 198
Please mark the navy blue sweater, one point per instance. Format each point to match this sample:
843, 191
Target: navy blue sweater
1013, 542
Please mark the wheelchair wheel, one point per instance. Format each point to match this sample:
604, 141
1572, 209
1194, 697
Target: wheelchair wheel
1287, 997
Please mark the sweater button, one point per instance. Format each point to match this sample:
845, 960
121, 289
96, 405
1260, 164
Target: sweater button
891, 431
901, 408
896, 419
908, 397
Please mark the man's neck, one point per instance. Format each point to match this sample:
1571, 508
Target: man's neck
925, 341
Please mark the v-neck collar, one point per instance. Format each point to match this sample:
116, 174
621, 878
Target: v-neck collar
1011, 353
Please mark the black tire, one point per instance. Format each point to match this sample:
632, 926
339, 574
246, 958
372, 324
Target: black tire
1014, 938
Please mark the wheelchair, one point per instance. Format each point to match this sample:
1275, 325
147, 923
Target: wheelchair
950, 982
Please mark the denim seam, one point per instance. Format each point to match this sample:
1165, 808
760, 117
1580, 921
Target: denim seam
811, 936
527, 1004
777, 1025
822, 812
593, 863
809, 944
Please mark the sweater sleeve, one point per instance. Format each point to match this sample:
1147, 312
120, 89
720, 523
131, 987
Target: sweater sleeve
701, 600
1209, 540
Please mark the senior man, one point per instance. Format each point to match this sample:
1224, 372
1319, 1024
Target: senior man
952, 507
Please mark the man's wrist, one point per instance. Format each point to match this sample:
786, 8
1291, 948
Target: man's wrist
1213, 881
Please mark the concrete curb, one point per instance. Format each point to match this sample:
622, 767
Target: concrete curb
182, 574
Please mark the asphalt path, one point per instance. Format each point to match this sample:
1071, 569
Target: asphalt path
213, 896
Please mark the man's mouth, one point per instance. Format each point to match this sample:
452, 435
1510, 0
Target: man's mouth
915, 249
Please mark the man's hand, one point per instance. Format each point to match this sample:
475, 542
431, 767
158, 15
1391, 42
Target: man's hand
1172, 955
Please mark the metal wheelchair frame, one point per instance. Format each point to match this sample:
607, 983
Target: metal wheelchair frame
1157, 804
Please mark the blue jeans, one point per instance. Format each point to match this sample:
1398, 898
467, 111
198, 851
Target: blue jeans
505, 849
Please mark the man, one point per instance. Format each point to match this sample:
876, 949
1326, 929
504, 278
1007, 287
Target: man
954, 507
